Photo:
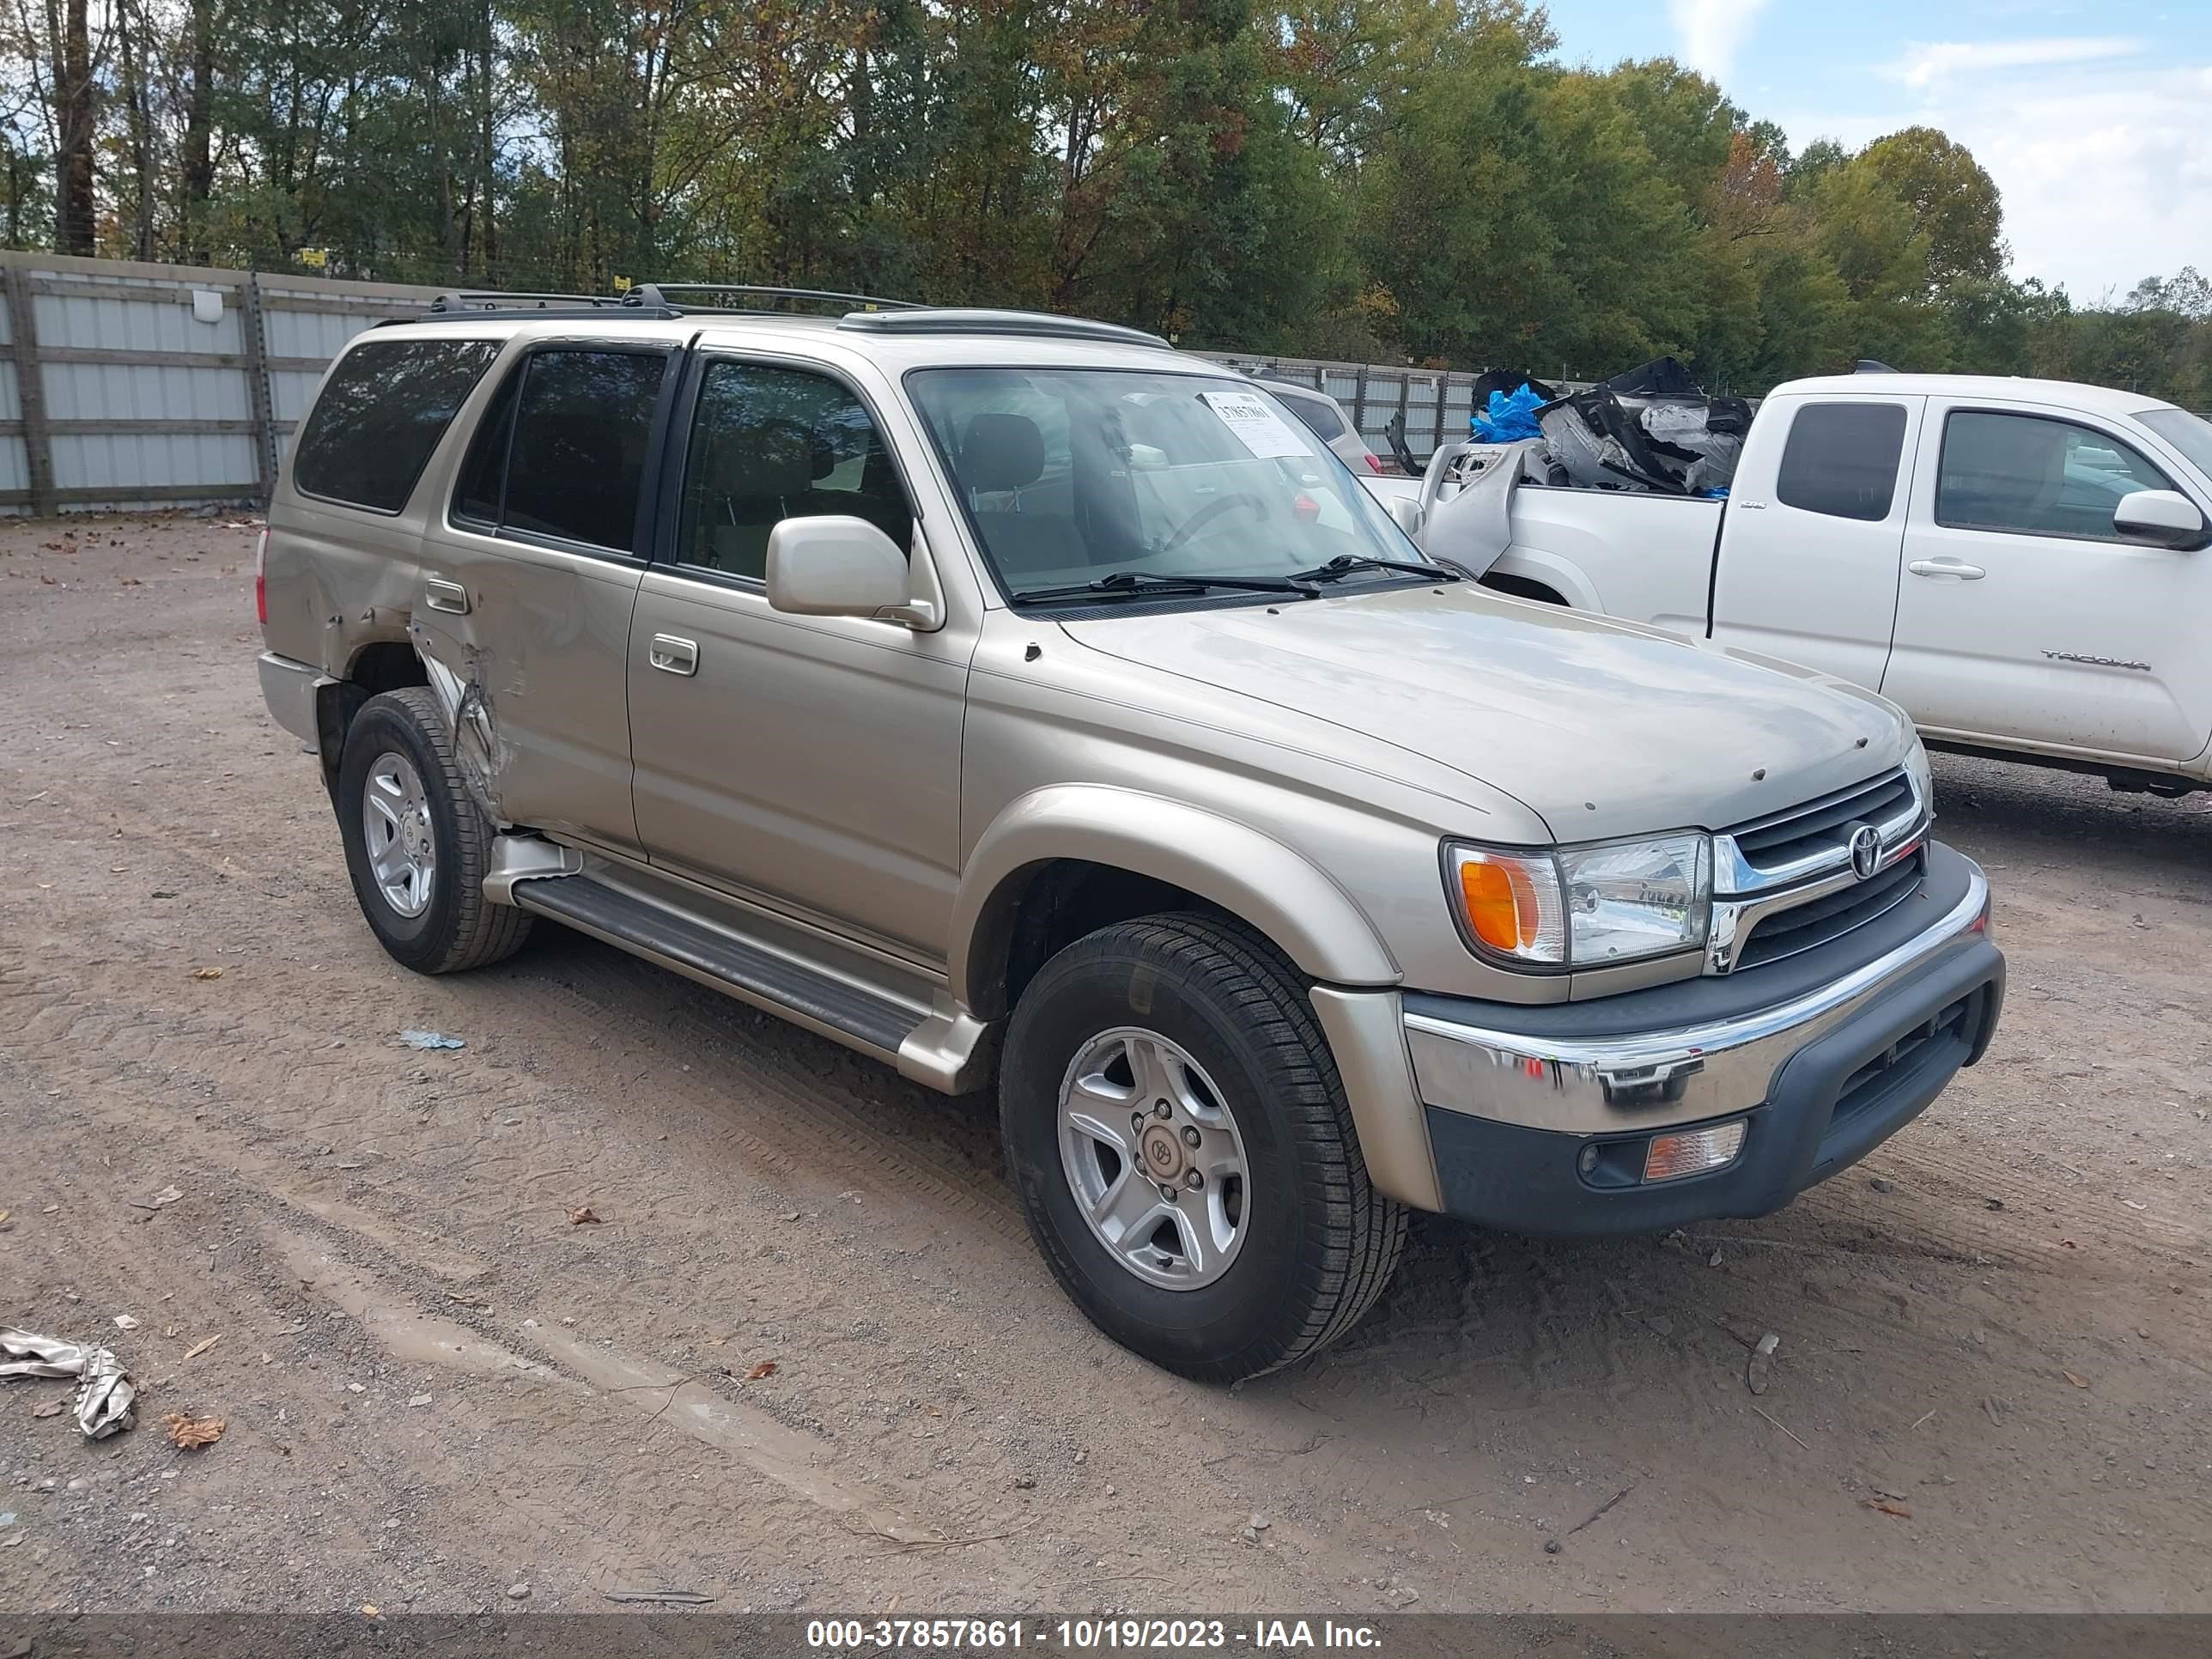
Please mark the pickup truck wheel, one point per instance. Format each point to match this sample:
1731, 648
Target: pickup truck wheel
1183, 1151
417, 843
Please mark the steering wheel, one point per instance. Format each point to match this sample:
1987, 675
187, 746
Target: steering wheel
1206, 515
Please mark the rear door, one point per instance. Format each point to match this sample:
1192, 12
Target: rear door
1815, 529
2023, 615
530, 575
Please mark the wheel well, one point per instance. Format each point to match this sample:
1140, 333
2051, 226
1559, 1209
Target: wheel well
384, 666
1522, 588
1062, 900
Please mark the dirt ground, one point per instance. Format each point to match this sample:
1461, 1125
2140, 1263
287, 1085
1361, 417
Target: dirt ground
442, 1393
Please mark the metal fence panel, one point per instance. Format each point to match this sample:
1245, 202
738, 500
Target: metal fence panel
135, 384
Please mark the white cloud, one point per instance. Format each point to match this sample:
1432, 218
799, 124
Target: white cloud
2104, 169
1712, 32
1926, 63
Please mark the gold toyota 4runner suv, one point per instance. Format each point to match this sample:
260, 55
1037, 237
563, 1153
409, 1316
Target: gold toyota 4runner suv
1019, 702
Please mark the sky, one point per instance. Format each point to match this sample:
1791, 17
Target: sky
2095, 119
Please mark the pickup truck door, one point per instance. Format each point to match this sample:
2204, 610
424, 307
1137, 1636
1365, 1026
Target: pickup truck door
1807, 566
811, 762
2023, 617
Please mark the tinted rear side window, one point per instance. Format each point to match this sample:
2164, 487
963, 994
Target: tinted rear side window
1841, 460
1322, 419
380, 413
561, 450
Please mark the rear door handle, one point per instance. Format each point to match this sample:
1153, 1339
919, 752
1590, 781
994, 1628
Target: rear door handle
1965, 572
443, 595
673, 656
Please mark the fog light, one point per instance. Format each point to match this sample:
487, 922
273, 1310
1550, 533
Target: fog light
1692, 1151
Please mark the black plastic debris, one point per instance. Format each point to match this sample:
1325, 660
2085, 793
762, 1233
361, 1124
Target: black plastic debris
1652, 427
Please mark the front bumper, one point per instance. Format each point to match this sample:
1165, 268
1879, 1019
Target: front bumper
1537, 1120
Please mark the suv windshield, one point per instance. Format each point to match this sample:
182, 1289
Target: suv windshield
1072, 475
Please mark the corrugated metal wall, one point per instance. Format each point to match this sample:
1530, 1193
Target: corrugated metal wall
127, 386
130, 386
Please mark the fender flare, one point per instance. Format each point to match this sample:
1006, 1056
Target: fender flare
1248, 872
1562, 575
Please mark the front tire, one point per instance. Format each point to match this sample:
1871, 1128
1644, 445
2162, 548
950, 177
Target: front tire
1181, 1145
417, 843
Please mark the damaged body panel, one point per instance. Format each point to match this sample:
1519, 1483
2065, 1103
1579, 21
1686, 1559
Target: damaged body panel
531, 675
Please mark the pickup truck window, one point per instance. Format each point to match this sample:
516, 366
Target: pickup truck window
1841, 460
561, 451
769, 444
380, 413
2190, 433
2035, 474
1069, 475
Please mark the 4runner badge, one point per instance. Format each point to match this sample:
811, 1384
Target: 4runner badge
1866, 850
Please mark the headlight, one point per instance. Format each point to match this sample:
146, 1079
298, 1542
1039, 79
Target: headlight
1583, 907
1922, 775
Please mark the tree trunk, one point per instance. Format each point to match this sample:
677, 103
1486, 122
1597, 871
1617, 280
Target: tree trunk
138, 119
75, 210
200, 120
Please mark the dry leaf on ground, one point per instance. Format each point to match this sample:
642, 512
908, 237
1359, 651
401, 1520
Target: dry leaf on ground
766, 1368
583, 1215
192, 1433
1890, 1506
207, 973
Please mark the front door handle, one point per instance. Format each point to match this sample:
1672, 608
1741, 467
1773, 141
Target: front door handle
673, 656
1965, 572
443, 595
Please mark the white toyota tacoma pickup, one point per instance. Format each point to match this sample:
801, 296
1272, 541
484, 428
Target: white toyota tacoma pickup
2021, 564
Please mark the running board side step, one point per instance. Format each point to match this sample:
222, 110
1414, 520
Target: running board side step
912, 1027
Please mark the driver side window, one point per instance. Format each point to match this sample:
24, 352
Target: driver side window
769, 443
2028, 473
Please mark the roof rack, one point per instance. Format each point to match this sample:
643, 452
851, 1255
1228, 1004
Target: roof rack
491, 303
660, 294
961, 319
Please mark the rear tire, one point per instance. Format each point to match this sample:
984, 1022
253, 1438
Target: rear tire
1214, 1288
417, 843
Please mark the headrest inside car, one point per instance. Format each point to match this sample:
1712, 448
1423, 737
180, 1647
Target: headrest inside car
1000, 451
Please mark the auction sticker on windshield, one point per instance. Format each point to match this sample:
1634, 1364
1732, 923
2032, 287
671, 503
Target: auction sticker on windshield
1255, 423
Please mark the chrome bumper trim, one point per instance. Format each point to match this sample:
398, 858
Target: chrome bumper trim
1644, 1079
289, 688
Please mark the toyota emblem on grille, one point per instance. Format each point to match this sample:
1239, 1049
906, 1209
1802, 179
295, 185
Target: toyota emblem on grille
1866, 850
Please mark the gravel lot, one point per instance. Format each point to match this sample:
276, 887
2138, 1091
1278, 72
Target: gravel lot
442, 1393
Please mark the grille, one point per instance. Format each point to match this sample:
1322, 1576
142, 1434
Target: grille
1817, 828
1785, 933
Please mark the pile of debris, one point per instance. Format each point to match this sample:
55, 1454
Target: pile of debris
1652, 428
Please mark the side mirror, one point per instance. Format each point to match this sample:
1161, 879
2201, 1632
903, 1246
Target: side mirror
2163, 518
1406, 513
837, 566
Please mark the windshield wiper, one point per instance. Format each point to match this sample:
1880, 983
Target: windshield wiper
1345, 563
1129, 584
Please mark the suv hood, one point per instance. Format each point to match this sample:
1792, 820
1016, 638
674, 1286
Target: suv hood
1603, 728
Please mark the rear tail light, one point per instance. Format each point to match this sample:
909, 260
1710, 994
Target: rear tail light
1374, 463
1304, 509
261, 578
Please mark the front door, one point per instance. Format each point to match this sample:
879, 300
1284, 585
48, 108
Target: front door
812, 762
2023, 614
1809, 547
529, 577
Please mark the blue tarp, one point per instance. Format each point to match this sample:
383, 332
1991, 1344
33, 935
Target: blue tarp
1511, 416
